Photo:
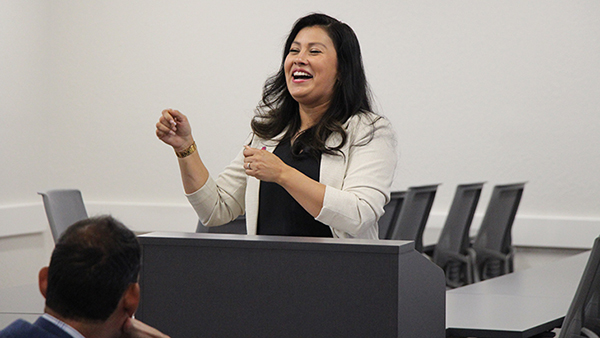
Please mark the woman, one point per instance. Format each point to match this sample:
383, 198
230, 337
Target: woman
318, 163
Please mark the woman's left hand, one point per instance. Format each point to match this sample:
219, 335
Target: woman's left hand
267, 167
263, 165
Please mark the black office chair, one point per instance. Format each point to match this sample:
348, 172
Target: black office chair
237, 226
452, 250
414, 214
63, 208
492, 247
583, 317
392, 210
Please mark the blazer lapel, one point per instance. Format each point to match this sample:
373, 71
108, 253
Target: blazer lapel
332, 166
253, 186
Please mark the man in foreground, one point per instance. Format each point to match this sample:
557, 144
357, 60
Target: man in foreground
91, 286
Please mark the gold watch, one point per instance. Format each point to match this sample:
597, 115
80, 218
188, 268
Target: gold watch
187, 152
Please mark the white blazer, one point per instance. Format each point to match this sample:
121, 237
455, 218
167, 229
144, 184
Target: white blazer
357, 183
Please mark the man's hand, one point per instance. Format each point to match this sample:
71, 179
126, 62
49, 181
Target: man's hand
133, 328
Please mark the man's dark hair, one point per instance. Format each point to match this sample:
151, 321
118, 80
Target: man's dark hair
92, 265
278, 110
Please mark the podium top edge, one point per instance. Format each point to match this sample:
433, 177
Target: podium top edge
290, 242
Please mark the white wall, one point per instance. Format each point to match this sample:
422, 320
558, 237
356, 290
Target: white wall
496, 91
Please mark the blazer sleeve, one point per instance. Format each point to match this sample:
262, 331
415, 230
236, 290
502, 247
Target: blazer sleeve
222, 200
353, 209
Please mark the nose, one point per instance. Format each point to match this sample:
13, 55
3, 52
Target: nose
300, 59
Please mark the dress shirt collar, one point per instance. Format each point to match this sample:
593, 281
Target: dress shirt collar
64, 326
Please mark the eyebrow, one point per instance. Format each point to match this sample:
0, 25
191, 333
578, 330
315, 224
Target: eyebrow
310, 44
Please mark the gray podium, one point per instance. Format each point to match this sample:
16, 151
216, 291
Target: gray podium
225, 285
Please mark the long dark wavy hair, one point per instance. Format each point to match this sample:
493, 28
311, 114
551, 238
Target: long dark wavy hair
278, 111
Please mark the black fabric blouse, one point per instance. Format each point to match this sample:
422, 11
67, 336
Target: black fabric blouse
278, 211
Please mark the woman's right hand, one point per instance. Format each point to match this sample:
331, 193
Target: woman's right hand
173, 128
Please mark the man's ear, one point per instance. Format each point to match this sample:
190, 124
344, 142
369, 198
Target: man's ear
131, 298
43, 280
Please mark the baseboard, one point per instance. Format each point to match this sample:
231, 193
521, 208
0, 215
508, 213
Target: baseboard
532, 231
149, 217
31, 218
22, 219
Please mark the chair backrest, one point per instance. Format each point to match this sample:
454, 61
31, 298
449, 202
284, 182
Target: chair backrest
584, 313
414, 214
455, 233
63, 208
392, 210
495, 231
237, 226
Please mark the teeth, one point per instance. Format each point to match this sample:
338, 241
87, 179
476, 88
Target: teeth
299, 73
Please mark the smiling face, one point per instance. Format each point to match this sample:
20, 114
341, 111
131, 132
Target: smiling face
311, 67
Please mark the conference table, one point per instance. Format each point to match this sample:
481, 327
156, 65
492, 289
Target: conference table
521, 304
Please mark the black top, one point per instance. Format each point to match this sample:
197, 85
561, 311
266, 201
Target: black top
278, 212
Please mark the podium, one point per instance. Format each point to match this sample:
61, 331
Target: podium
225, 285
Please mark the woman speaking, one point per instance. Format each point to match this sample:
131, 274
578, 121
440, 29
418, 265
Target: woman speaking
318, 162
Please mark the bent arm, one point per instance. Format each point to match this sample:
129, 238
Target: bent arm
193, 172
221, 200
306, 191
173, 128
217, 202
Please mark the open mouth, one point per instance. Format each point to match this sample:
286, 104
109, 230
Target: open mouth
300, 75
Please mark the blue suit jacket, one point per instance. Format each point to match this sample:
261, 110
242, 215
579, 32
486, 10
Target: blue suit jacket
40, 329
